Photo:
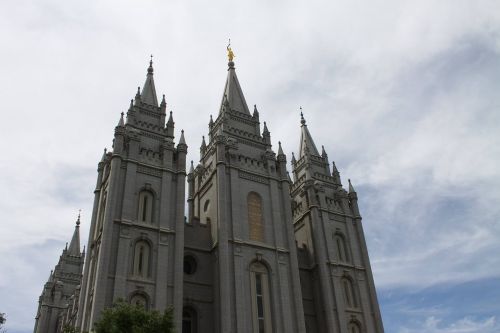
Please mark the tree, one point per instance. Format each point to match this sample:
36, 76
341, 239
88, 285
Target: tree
69, 329
125, 318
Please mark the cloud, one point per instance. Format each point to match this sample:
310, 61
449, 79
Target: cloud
464, 325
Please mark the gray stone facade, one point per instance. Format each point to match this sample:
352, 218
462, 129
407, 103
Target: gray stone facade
257, 252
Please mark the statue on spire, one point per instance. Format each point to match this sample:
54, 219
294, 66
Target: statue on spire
230, 53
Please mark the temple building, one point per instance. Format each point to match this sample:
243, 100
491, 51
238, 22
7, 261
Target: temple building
257, 251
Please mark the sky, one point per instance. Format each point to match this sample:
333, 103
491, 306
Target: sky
404, 95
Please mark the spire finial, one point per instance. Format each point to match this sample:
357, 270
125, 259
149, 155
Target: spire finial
230, 53
78, 219
150, 68
302, 120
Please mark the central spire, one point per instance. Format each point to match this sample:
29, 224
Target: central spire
233, 95
149, 91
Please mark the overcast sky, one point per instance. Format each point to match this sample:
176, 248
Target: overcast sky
404, 95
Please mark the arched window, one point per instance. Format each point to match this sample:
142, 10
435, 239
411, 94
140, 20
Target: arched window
206, 206
140, 300
349, 294
141, 259
261, 300
145, 207
342, 253
189, 320
353, 327
256, 224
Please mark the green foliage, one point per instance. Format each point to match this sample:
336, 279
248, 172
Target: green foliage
126, 318
68, 329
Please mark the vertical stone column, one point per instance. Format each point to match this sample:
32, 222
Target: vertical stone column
223, 246
99, 301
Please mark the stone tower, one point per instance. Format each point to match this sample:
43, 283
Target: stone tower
136, 236
63, 283
336, 279
239, 202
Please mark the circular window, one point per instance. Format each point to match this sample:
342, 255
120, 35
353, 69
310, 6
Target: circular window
189, 265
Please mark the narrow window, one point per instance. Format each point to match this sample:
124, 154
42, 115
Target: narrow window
261, 306
255, 221
145, 207
342, 253
349, 295
141, 259
144, 204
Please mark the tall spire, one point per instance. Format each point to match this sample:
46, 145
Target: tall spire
351, 188
306, 140
149, 90
74, 245
233, 95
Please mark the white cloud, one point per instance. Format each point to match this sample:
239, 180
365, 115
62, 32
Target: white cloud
464, 325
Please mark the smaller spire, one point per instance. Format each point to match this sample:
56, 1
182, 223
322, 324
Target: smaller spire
138, 94
74, 245
280, 150
121, 122
351, 188
131, 107
334, 167
170, 121
182, 140
288, 177
265, 131
203, 143
255, 111
211, 122
103, 158
323, 152
191, 169
293, 158
163, 102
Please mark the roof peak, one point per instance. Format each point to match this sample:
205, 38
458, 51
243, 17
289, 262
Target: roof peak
307, 145
74, 245
149, 91
233, 95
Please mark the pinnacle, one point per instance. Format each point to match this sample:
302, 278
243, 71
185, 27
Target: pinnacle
280, 150
182, 140
351, 188
74, 245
